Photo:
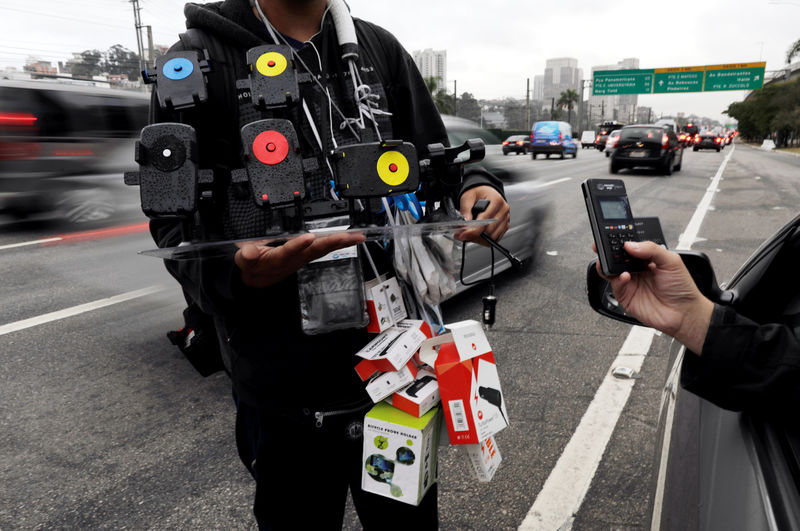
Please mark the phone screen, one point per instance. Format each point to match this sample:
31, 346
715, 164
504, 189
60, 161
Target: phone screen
615, 208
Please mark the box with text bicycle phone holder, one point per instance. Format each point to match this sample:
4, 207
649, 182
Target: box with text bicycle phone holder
469, 385
400, 453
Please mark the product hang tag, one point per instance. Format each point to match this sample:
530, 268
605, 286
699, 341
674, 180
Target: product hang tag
384, 303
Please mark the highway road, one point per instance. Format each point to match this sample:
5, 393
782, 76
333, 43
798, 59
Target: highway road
103, 424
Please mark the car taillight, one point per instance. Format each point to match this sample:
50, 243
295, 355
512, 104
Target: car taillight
718, 140
519, 142
665, 141
559, 137
505, 142
17, 119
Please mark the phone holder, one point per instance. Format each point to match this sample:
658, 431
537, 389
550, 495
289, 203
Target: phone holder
376, 169
444, 166
180, 79
273, 78
274, 166
169, 179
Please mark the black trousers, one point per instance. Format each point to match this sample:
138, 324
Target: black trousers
302, 474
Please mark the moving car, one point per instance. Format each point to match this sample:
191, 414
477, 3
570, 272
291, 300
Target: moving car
723, 469
53, 135
604, 130
525, 194
648, 146
552, 138
516, 144
587, 139
611, 142
707, 140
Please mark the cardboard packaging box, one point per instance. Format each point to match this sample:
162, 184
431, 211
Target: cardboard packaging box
419, 397
384, 303
400, 453
391, 349
485, 458
386, 383
472, 400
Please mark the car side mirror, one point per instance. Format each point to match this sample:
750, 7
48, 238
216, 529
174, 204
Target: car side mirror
602, 300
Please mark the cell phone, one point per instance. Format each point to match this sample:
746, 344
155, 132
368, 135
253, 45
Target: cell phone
612, 224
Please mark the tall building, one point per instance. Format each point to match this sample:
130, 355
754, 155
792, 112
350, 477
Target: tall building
621, 107
538, 88
432, 63
560, 74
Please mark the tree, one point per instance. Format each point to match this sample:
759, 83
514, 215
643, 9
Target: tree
120, 60
794, 49
443, 101
468, 107
514, 113
88, 64
568, 99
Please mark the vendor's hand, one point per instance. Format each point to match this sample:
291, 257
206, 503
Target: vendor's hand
498, 209
264, 266
664, 296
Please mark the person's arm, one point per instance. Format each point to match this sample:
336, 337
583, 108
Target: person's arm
664, 297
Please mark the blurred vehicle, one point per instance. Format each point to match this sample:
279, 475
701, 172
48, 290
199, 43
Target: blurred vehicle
526, 195
516, 144
604, 129
715, 468
691, 129
668, 122
587, 139
551, 138
647, 146
707, 140
611, 141
51, 130
685, 139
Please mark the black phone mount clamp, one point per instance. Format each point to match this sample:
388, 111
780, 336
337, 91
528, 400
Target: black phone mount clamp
273, 77
444, 167
180, 79
170, 182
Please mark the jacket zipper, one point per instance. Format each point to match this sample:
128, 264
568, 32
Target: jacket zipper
320, 415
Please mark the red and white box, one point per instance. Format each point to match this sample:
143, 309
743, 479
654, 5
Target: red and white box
384, 303
386, 383
469, 385
391, 349
419, 397
485, 458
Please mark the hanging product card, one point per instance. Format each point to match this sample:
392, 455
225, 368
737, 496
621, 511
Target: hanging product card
392, 348
384, 304
331, 293
387, 383
419, 397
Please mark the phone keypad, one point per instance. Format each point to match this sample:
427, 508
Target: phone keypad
616, 241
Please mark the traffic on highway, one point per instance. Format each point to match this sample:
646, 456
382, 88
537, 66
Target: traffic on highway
303, 281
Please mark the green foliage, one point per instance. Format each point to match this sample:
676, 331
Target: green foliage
443, 101
89, 64
120, 60
793, 50
773, 109
468, 107
568, 99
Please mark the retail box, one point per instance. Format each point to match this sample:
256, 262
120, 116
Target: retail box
419, 397
386, 383
485, 458
384, 303
400, 453
469, 385
391, 349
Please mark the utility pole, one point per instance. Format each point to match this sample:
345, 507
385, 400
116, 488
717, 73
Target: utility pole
552, 108
528, 106
151, 53
138, 25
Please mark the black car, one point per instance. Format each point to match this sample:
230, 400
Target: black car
722, 469
649, 146
604, 130
707, 141
516, 144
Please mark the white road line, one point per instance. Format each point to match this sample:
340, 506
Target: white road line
551, 183
77, 310
564, 490
33, 242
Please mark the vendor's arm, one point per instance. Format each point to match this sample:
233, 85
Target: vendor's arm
498, 209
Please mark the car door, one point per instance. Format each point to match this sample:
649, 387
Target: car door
720, 469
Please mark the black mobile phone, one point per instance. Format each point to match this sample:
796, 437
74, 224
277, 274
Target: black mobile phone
612, 224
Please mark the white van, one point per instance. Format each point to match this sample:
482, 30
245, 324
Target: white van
587, 139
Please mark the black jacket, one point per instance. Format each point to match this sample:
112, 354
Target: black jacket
271, 361
746, 366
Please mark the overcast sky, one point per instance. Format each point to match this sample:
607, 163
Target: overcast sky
492, 46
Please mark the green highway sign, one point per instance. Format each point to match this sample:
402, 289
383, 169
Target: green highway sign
737, 76
684, 79
612, 82
745, 76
